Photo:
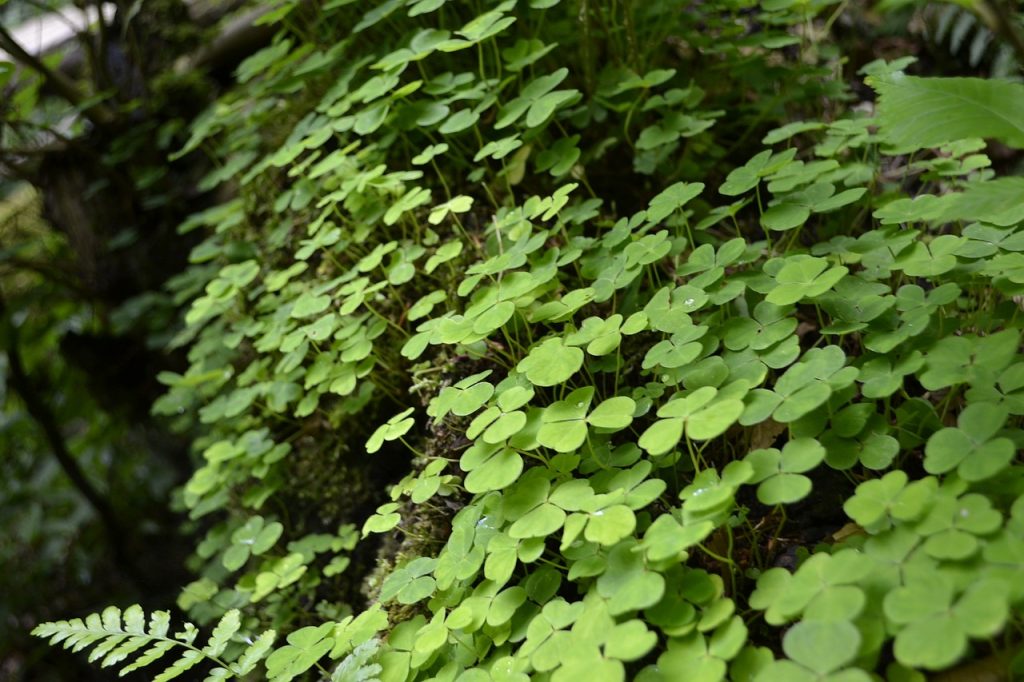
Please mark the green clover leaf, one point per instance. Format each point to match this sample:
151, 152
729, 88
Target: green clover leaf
780, 473
490, 467
459, 204
822, 646
254, 538
710, 496
804, 276
305, 647
394, 428
462, 399
879, 502
747, 176
626, 583
699, 412
410, 583
824, 587
563, 424
968, 359
935, 625
1007, 390
551, 362
672, 199
971, 448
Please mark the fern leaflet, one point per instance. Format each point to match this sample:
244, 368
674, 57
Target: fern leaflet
116, 635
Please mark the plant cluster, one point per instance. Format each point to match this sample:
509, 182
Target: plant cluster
550, 340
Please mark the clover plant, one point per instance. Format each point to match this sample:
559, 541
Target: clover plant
613, 389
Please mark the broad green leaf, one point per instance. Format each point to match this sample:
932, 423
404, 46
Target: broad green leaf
928, 112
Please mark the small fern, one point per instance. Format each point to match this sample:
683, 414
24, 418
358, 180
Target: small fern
117, 635
359, 666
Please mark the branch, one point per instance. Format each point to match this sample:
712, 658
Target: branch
48, 272
58, 82
20, 382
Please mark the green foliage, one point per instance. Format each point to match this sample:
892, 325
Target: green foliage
916, 113
116, 636
607, 401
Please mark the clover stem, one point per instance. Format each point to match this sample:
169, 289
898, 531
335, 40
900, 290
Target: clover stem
625, 124
723, 559
754, 547
782, 521
732, 565
386, 320
946, 402
618, 366
693, 454
414, 450
555, 564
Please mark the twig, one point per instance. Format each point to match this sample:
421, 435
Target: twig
21, 384
61, 84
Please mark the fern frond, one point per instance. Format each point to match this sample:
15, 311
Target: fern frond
116, 636
915, 113
253, 654
358, 666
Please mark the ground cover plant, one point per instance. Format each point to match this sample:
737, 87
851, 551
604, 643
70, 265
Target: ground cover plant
619, 340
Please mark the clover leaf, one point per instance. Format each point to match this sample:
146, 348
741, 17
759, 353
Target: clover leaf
560, 157
823, 588
526, 504
971, 447
1007, 390
305, 647
953, 525
504, 419
881, 376
613, 414
385, 518
822, 646
710, 496
410, 583
879, 502
564, 426
968, 359
392, 429
253, 538
761, 165
670, 307
680, 349
780, 473
537, 99
490, 467
626, 583
280, 573
309, 304
602, 337
671, 199
463, 398
551, 362
700, 659
935, 625
769, 325
666, 538
802, 388
698, 412
804, 276
459, 204
523, 53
